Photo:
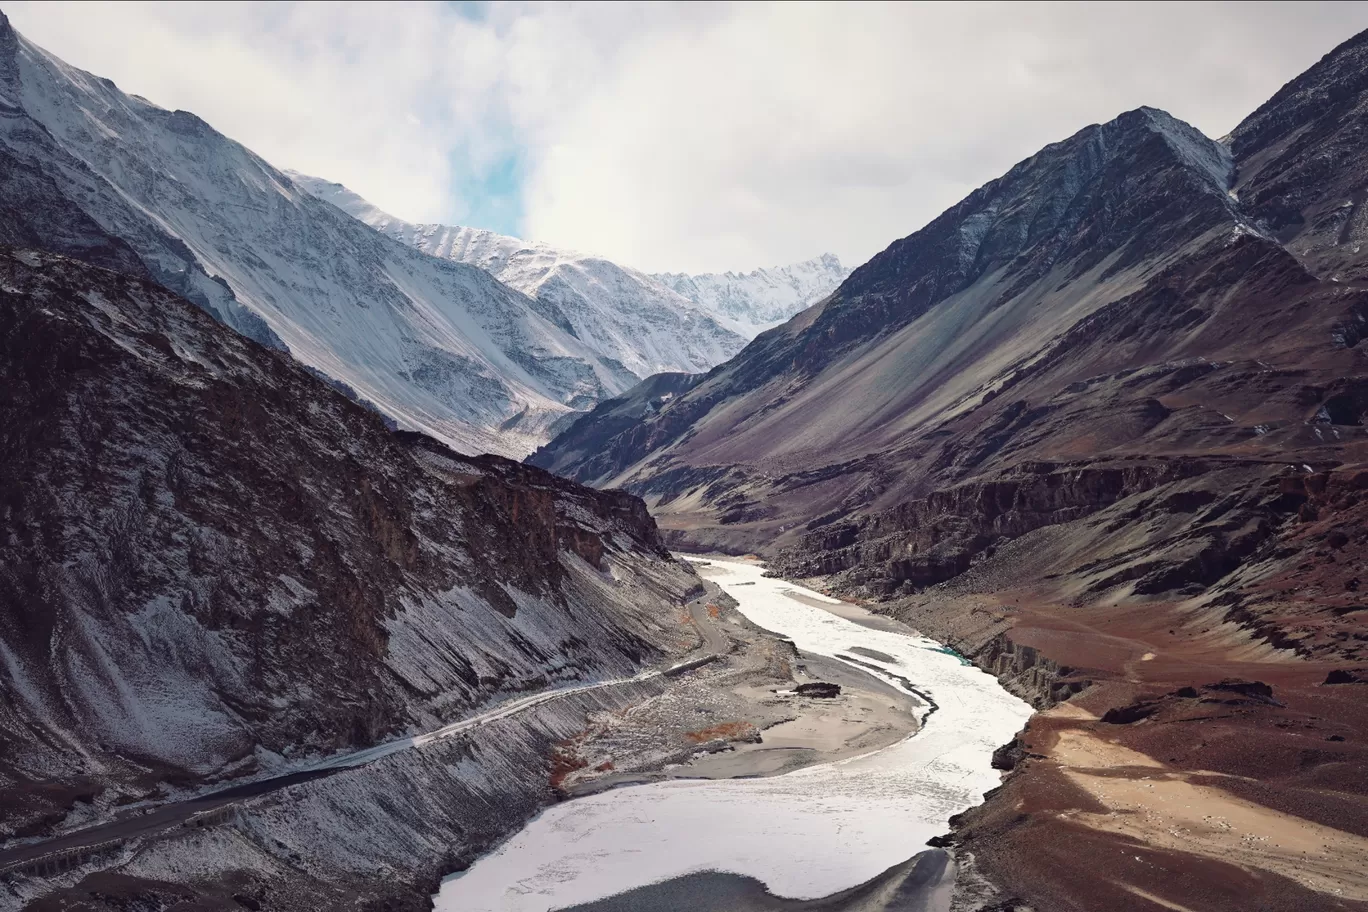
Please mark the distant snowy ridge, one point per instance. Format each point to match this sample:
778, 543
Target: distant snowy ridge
751, 302
604, 299
620, 313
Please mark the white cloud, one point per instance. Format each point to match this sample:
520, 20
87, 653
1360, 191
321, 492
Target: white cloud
778, 131
689, 137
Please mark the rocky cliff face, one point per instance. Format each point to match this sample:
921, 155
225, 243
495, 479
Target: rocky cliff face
923, 542
216, 565
1302, 164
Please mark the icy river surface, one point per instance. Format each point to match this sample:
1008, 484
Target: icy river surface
805, 834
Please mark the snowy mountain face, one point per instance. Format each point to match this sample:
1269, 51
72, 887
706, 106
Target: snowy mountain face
623, 315
752, 302
438, 345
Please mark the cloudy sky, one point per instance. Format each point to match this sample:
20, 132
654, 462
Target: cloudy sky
685, 137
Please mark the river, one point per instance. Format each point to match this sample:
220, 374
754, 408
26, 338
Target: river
805, 834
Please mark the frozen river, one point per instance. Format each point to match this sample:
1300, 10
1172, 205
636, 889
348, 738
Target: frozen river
805, 834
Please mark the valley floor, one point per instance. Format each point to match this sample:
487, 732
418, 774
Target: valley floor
741, 717
833, 835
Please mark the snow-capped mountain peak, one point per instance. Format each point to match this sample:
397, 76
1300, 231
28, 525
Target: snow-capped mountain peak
436, 342
437, 345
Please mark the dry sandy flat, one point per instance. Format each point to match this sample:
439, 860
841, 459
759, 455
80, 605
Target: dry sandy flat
856, 722
1163, 808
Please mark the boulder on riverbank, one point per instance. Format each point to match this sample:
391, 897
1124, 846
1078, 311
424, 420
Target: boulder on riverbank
820, 689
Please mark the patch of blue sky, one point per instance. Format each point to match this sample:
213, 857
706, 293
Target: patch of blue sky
474, 10
489, 194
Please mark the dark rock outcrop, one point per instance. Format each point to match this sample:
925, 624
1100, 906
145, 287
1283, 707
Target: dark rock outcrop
819, 689
1009, 755
1250, 690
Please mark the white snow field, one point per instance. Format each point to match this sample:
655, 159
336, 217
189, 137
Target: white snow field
670, 321
752, 302
805, 834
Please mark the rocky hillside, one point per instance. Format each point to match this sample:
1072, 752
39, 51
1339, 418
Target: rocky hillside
1302, 160
439, 346
611, 424
622, 314
1102, 427
218, 566
1105, 319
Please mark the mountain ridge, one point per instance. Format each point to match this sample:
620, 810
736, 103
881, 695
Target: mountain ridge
439, 346
619, 312
1012, 223
762, 298
668, 322
222, 567
1102, 427
1108, 302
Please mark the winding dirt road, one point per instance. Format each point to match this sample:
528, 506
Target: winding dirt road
38, 857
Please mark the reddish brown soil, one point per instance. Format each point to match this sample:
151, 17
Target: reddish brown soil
1275, 765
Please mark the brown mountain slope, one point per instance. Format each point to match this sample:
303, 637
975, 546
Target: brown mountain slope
1079, 310
1101, 426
